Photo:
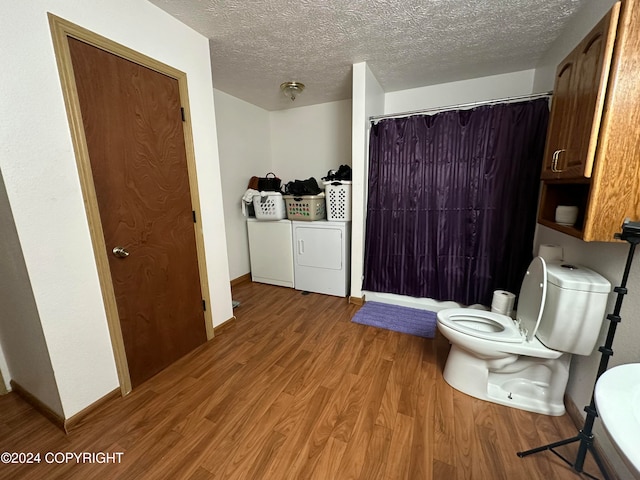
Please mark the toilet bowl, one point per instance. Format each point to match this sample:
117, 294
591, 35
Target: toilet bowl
501, 366
524, 362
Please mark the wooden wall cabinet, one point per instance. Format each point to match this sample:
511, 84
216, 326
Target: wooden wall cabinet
592, 156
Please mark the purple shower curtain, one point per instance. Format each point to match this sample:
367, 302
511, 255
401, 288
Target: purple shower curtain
452, 201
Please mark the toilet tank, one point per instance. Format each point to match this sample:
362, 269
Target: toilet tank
574, 308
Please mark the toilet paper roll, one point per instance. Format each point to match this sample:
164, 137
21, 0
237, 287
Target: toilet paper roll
503, 302
550, 253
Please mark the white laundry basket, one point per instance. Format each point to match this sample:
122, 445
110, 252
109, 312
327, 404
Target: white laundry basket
269, 206
338, 198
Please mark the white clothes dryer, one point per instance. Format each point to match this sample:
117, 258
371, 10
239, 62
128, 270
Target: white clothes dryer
321, 256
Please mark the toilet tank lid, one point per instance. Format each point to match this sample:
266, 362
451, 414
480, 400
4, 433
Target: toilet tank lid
576, 277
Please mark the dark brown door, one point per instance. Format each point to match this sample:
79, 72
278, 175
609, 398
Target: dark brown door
133, 126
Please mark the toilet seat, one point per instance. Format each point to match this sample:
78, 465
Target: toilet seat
498, 327
533, 295
501, 328
481, 324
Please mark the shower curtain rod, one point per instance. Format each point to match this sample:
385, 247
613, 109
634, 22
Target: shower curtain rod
532, 96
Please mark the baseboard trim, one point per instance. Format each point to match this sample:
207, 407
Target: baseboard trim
578, 421
357, 300
241, 279
43, 409
224, 326
74, 421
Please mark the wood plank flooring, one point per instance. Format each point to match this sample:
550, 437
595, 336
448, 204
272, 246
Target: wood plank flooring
295, 390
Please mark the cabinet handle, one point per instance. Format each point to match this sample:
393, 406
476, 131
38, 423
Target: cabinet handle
300, 247
559, 170
554, 161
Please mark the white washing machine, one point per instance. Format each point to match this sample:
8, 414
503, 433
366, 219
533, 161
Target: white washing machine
321, 256
271, 252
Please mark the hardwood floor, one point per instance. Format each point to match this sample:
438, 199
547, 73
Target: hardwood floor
295, 390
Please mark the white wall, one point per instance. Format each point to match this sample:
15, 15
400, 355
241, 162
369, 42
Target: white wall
4, 371
21, 338
309, 141
43, 189
245, 151
463, 91
608, 259
368, 100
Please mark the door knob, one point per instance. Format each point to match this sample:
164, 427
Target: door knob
120, 252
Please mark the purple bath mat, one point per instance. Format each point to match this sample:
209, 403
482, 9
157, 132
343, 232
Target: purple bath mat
413, 321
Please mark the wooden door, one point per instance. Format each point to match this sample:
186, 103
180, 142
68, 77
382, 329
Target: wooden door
133, 127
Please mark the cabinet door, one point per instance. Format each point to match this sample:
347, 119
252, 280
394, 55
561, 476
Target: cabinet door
578, 101
319, 248
561, 117
591, 76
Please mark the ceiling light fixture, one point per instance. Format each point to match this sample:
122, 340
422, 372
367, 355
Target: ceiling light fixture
292, 89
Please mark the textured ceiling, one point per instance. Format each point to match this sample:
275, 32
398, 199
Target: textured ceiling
256, 45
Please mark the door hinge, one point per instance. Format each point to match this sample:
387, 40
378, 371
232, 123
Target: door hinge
194, 215
182, 113
204, 305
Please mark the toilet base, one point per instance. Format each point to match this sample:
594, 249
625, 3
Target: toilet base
527, 383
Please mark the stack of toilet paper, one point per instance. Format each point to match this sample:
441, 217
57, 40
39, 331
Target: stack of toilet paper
503, 302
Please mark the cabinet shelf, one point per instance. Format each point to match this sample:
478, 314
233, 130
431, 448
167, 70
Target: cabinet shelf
573, 231
561, 193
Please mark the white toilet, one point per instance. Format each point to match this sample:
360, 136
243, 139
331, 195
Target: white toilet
524, 363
